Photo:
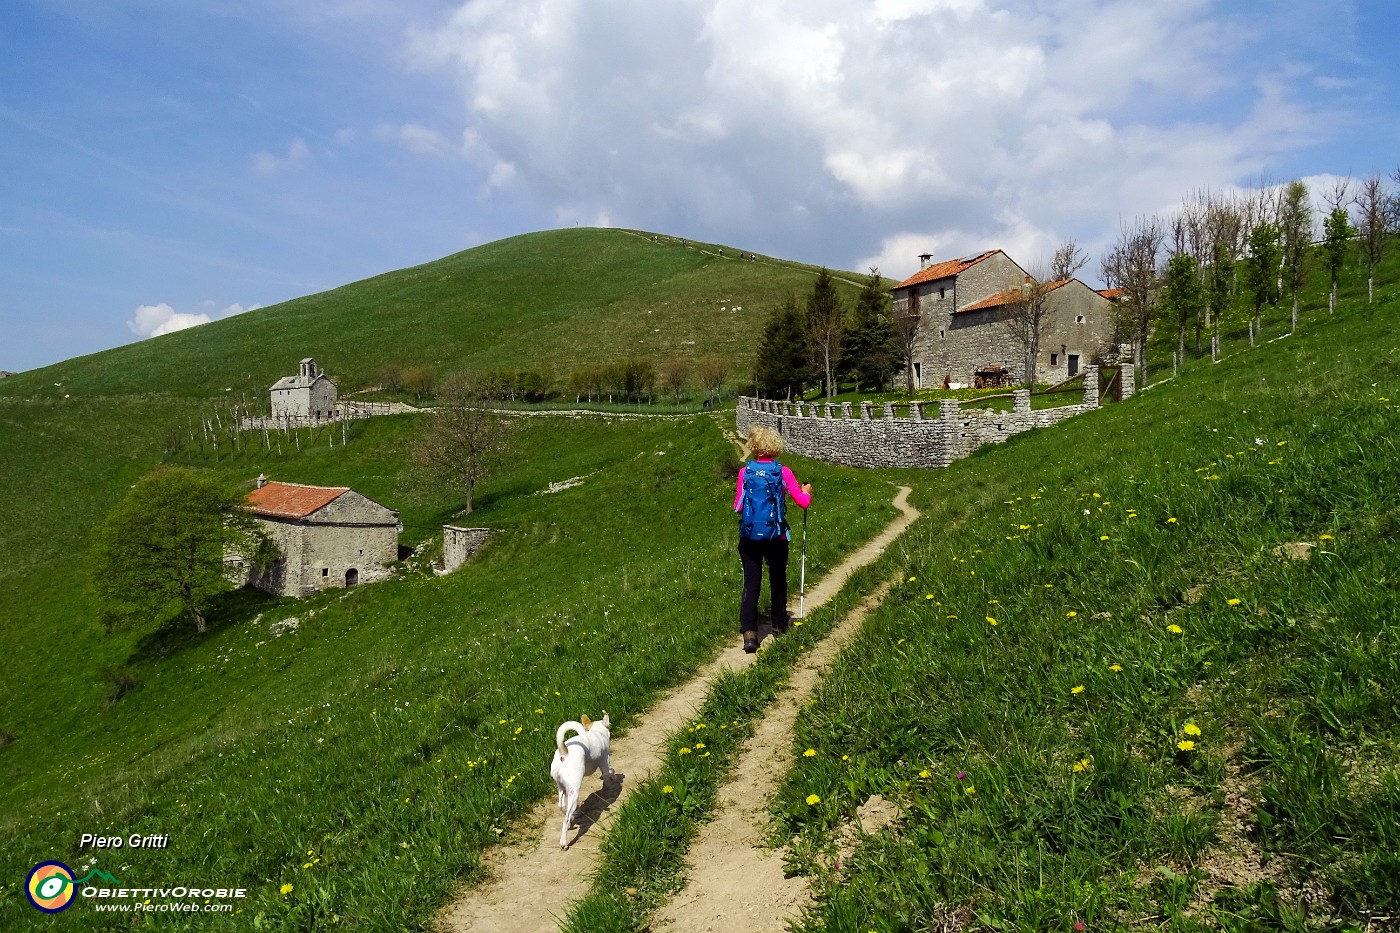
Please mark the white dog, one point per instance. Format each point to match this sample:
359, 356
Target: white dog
575, 759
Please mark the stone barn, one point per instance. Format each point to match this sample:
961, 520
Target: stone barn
307, 395
962, 305
327, 536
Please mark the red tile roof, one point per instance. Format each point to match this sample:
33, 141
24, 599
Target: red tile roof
992, 301
944, 270
292, 500
1111, 293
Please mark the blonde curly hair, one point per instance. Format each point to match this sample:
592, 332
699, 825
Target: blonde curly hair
763, 442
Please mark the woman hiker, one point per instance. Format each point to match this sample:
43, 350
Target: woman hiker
763, 529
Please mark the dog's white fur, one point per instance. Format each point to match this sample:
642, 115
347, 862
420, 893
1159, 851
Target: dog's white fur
576, 758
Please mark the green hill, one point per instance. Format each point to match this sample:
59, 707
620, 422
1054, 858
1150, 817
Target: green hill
562, 298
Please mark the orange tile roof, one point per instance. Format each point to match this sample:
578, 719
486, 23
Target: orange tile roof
992, 301
944, 270
1111, 293
292, 500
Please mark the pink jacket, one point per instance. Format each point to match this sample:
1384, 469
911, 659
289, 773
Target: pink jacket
789, 483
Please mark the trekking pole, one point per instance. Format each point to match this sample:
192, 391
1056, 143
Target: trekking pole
802, 590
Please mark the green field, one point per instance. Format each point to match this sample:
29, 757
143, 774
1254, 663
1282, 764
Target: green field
352, 771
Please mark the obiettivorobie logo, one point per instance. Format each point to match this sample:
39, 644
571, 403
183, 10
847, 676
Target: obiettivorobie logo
51, 886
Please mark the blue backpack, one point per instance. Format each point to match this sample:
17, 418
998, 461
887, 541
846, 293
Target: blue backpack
761, 518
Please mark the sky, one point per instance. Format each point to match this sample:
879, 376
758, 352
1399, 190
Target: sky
164, 163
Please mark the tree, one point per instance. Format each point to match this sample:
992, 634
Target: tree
1068, 260
420, 380
1182, 298
165, 543
1337, 234
462, 440
872, 351
906, 332
1131, 264
675, 373
1295, 235
712, 372
781, 367
1025, 321
1374, 208
825, 326
1261, 269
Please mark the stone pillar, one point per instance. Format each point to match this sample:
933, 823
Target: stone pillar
1129, 379
1091, 386
845, 411
866, 410
830, 410
1021, 401
916, 411
949, 430
889, 411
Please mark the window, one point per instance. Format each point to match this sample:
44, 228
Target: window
941, 334
1079, 319
1054, 359
941, 292
918, 376
325, 571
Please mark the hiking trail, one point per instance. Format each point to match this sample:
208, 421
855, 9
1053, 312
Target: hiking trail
734, 881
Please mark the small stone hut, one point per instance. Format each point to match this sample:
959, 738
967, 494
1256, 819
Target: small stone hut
309, 394
328, 536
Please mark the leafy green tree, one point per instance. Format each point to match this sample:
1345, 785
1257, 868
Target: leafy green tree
872, 350
1295, 238
1131, 264
781, 368
825, 326
1261, 268
1336, 240
164, 545
1220, 285
1183, 300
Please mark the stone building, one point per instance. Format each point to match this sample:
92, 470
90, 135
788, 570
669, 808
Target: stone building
963, 304
309, 395
327, 536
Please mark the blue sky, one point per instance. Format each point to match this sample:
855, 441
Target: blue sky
166, 162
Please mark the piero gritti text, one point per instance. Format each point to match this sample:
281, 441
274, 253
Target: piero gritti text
134, 841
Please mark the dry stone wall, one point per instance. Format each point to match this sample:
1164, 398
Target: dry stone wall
924, 434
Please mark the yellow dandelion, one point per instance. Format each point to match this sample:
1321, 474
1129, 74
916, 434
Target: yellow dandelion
969, 789
1325, 538
1174, 629
810, 753
813, 800
928, 596
925, 773
991, 620
912, 579
1191, 729
1077, 690
1071, 614
1172, 520
1103, 537
1115, 668
699, 744
286, 889
1083, 764
1232, 602
683, 751
1186, 745
668, 789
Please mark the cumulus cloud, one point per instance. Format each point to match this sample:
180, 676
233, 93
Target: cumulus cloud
155, 320
957, 124
266, 163
413, 137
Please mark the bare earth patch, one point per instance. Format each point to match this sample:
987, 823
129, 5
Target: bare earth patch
532, 882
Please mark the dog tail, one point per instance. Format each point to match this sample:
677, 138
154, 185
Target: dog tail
562, 732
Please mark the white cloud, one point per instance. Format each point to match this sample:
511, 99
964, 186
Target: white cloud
298, 153
155, 320
968, 124
414, 137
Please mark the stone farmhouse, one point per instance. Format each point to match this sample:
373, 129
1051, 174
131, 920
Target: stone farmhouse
309, 395
327, 536
962, 306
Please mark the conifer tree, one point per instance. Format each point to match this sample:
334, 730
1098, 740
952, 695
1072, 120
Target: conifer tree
781, 369
871, 349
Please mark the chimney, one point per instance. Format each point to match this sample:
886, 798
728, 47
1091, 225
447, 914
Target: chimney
925, 260
1026, 286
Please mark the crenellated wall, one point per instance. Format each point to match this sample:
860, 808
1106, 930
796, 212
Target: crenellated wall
925, 436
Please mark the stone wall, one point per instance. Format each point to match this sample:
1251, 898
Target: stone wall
458, 544
905, 434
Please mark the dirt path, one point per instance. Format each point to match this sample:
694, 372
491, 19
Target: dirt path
532, 882
735, 883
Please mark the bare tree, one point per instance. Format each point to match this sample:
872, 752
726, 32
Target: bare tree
906, 332
825, 326
463, 439
1025, 319
675, 373
1068, 260
1296, 235
1131, 264
1374, 208
712, 372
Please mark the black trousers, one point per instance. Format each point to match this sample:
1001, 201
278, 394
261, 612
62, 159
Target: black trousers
753, 555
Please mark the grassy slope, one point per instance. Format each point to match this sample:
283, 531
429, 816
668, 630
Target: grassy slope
567, 296
1098, 544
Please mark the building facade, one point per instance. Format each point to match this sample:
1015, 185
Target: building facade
963, 306
309, 395
326, 536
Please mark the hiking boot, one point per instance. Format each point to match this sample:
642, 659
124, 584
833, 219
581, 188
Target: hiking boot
750, 642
